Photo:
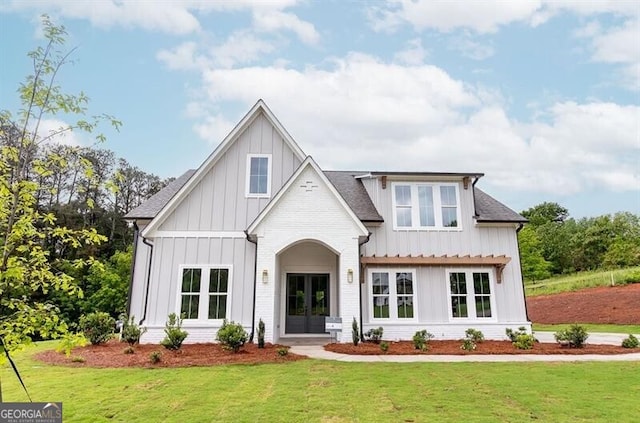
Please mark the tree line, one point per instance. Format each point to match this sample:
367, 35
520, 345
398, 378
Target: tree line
553, 243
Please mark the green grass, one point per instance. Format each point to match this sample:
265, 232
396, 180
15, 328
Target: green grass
577, 281
328, 391
590, 327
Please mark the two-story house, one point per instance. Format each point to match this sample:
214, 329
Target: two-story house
259, 231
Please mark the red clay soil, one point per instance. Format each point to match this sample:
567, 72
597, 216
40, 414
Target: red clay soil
483, 348
112, 354
614, 305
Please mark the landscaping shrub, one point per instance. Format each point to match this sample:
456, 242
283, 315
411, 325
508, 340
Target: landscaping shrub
78, 359
97, 327
475, 335
355, 332
468, 344
129, 350
384, 346
374, 335
131, 332
155, 357
421, 340
283, 351
260, 334
575, 336
175, 336
630, 342
70, 341
232, 336
521, 339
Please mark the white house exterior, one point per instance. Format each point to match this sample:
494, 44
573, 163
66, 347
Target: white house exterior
259, 231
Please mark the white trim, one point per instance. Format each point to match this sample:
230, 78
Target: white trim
415, 207
471, 303
307, 162
393, 295
200, 234
245, 122
247, 185
203, 304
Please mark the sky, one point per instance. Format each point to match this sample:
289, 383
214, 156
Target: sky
543, 97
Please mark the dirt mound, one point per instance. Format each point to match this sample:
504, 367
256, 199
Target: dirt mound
613, 305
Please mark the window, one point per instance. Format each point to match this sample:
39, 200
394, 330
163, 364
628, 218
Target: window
204, 292
392, 294
426, 206
470, 294
258, 175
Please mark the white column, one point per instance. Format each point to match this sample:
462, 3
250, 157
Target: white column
349, 298
265, 291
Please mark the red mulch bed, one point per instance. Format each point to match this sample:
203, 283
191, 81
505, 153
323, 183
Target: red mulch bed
483, 348
112, 354
608, 305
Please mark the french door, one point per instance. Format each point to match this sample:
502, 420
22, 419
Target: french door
307, 302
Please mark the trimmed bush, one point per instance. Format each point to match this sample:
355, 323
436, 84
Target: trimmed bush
468, 344
421, 340
260, 334
630, 342
521, 339
175, 336
155, 357
513, 335
374, 335
355, 332
475, 335
131, 332
283, 351
576, 336
232, 336
384, 346
97, 327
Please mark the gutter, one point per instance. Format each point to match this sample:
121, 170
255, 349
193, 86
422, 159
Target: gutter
133, 266
255, 270
526, 311
146, 294
360, 244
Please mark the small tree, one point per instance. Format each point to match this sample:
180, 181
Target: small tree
131, 332
175, 336
355, 332
97, 327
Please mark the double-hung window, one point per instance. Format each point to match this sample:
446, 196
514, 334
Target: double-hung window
258, 178
204, 292
426, 206
392, 294
470, 294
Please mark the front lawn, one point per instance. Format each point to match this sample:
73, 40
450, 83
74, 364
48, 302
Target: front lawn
328, 391
590, 327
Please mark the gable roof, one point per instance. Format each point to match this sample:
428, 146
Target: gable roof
259, 108
490, 210
308, 162
354, 193
152, 206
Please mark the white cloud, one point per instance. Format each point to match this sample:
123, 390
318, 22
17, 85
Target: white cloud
183, 57
413, 54
419, 118
275, 20
470, 48
55, 131
240, 48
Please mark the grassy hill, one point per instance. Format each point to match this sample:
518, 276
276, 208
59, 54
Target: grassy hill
577, 281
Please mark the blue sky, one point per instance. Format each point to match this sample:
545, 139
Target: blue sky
543, 97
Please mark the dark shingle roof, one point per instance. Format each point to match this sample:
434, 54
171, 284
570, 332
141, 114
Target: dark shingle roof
355, 194
491, 210
352, 191
150, 208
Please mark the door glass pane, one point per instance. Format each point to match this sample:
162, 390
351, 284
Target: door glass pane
319, 296
295, 300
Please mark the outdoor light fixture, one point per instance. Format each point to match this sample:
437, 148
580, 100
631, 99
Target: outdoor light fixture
350, 275
265, 276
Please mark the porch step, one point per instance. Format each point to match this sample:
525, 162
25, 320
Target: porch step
316, 340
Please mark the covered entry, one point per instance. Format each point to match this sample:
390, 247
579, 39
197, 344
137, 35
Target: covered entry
307, 302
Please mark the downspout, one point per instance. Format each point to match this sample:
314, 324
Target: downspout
255, 269
473, 188
133, 265
360, 284
526, 311
146, 294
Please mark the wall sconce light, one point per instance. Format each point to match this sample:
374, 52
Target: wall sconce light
265, 276
350, 275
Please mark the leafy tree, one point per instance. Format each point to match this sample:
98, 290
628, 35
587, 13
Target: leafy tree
544, 213
534, 266
29, 269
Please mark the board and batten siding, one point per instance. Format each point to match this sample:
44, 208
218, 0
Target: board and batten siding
431, 283
218, 202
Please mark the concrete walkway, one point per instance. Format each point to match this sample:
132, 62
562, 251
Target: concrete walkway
318, 352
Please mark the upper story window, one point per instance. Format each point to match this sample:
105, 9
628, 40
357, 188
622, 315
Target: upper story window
258, 175
426, 206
